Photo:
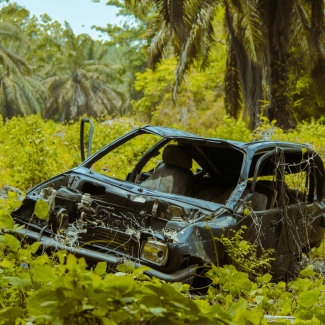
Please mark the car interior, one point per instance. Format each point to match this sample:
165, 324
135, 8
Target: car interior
218, 173
214, 181
218, 176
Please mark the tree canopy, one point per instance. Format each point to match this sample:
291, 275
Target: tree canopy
179, 61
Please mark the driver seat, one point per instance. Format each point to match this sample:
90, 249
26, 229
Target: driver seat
174, 175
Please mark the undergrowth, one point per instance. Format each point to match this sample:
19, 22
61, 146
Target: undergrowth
32, 150
243, 255
36, 288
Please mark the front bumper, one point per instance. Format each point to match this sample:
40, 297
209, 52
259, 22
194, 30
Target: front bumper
185, 275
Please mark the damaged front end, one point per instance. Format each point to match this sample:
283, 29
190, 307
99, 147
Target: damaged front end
102, 221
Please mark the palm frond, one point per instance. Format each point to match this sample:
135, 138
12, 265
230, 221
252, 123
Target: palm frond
200, 24
301, 29
251, 24
17, 62
157, 47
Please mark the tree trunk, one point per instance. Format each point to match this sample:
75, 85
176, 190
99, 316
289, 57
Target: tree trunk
233, 89
279, 37
250, 75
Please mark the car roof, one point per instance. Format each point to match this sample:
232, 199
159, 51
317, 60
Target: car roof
254, 146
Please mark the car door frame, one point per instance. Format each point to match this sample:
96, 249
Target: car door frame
268, 219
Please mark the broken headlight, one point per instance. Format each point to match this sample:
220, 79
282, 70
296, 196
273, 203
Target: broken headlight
154, 251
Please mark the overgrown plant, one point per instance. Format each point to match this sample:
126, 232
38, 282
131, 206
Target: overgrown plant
243, 254
36, 288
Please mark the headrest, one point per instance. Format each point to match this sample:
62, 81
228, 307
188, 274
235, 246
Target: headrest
177, 156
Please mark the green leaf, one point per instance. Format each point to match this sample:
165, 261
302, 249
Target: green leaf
308, 271
101, 268
128, 266
25, 255
308, 299
6, 220
12, 242
158, 311
18, 282
11, 313
259, 299
320, 315
240, 277
12, 195
304, 313
42, 273
285, 310
240, 304
177, 286
41, 210
266, 278
107, 321
141, 269
121, 267
254, 317
34, 247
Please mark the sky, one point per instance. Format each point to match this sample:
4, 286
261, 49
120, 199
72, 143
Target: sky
76, 13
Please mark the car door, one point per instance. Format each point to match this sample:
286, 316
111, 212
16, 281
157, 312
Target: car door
300, 210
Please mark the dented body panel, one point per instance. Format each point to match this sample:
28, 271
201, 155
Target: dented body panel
117, 220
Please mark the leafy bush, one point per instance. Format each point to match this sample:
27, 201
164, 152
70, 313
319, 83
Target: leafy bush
32, 150
60, 289
29, 151
243, 254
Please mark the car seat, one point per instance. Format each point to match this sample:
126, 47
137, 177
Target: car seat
174, 175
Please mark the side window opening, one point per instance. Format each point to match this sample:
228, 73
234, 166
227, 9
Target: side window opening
295, 175
299, 178
296, 187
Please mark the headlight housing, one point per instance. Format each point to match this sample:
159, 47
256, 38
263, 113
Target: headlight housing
154, 251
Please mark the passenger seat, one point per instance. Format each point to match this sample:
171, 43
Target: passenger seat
174, 175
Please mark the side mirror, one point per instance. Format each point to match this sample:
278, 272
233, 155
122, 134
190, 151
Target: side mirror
82, 143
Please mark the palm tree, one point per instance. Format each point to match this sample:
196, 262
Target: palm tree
81, 83
20, 92
261, 33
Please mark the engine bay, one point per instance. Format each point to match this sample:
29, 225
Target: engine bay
111, 220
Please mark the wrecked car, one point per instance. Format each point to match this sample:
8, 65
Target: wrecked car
170, 217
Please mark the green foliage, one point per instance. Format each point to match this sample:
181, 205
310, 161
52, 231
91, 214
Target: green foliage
41, 209
200, 100
81, 82
20, 92
46, 69
33, 151
61, 289
231, 130
243, 254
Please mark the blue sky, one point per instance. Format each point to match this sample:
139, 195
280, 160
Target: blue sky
75, 12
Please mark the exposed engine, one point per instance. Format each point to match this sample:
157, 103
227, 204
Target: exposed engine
77, 218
